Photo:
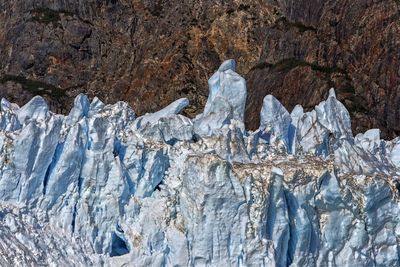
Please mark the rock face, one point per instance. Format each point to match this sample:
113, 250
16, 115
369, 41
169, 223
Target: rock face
299, 191
150, 53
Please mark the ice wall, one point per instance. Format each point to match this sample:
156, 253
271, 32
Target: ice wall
165, 190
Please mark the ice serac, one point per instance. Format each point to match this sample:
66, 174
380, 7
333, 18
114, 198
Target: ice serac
95, 106
334, 116
370, 141
225, 103
5, 105
223, 114
36, 109
80, 109
296, 114
9, 120
276, 121
323, 128
171, 109
392, 149
166, 125
101, 187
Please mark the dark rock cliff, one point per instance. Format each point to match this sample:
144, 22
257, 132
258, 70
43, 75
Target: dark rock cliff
150, 53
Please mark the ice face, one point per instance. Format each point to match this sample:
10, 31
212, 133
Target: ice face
163, 190
28, 241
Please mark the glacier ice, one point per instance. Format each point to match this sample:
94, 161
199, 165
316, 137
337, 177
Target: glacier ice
80, 109
5, 105
165, 190
27, 241
166, 125
35, 109
226, 101
275, 119
171, 109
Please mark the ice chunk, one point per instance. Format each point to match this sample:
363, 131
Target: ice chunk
320, 130
227, 65
170, 129
275, 119
334, 116
311, 135
226, 101
120, 114
171, 109
8, 119
392, 148
80, 109
230, 144
35, 109
296, 114
222, 115
395, 155
370, 141
5, 105
332, 93
95, 106
165, 125
34, 149
175, 128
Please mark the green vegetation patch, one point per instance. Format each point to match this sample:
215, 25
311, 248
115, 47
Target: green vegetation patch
288, 64
327, 70
291, 63
300, 26
262, 65
47, 15
355, 103
348, 88
34, 87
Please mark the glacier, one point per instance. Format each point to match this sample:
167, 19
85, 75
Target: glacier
102, 187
